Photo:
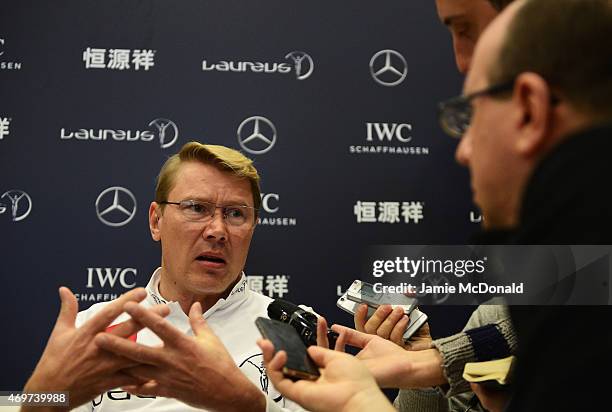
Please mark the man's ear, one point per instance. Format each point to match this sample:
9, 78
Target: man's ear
154, 221
532, 98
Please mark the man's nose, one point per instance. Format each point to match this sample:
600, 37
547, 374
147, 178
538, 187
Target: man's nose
463, 64
216, 227
463, 153
463, 54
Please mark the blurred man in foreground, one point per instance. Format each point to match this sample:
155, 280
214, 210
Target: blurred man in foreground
537, 118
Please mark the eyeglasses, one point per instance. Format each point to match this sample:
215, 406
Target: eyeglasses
455, 114
199, 211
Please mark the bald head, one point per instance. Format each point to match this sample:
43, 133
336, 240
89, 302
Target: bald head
540, 72
566, 42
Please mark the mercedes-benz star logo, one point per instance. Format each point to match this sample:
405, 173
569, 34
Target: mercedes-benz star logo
116, 206
20, 203
388, 74
166, 137
304, 66
256, 141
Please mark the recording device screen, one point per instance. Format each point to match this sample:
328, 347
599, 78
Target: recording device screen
284, 337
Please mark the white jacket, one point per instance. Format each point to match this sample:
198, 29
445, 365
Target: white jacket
232, 320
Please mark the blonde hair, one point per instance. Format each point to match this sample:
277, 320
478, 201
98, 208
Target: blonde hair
223, 158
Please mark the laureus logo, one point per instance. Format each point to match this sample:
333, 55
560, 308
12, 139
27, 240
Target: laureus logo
167, 130
164, 130
18, 202
303, 64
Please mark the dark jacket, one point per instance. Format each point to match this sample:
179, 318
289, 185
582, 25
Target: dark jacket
565, 352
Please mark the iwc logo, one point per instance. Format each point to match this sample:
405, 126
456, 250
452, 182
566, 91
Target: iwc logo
389, 139
7, 65
270, 205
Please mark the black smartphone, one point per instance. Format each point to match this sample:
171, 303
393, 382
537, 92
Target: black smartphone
284, 337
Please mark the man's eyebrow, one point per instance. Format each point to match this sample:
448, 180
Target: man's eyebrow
231, 202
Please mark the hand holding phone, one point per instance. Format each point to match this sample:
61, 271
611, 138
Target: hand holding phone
284, 337
362, 292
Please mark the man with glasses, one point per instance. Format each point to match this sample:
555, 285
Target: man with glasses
204, 215
536, 127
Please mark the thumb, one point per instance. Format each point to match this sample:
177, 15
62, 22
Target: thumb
68, 310
196, 319
322, 356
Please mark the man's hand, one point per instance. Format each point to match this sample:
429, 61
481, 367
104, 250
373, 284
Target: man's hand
390, 324
72, 361
391, 365
344, 385
196, 370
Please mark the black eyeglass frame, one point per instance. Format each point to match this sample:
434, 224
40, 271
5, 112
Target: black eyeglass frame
462, 103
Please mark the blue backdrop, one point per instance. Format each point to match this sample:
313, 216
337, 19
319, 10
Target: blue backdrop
334, 101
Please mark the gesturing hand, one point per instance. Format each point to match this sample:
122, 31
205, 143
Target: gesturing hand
391, 365
72, 361
197, 370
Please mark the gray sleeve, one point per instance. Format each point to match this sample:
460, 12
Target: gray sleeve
489, 312
431, 400
420, 400
487, 335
